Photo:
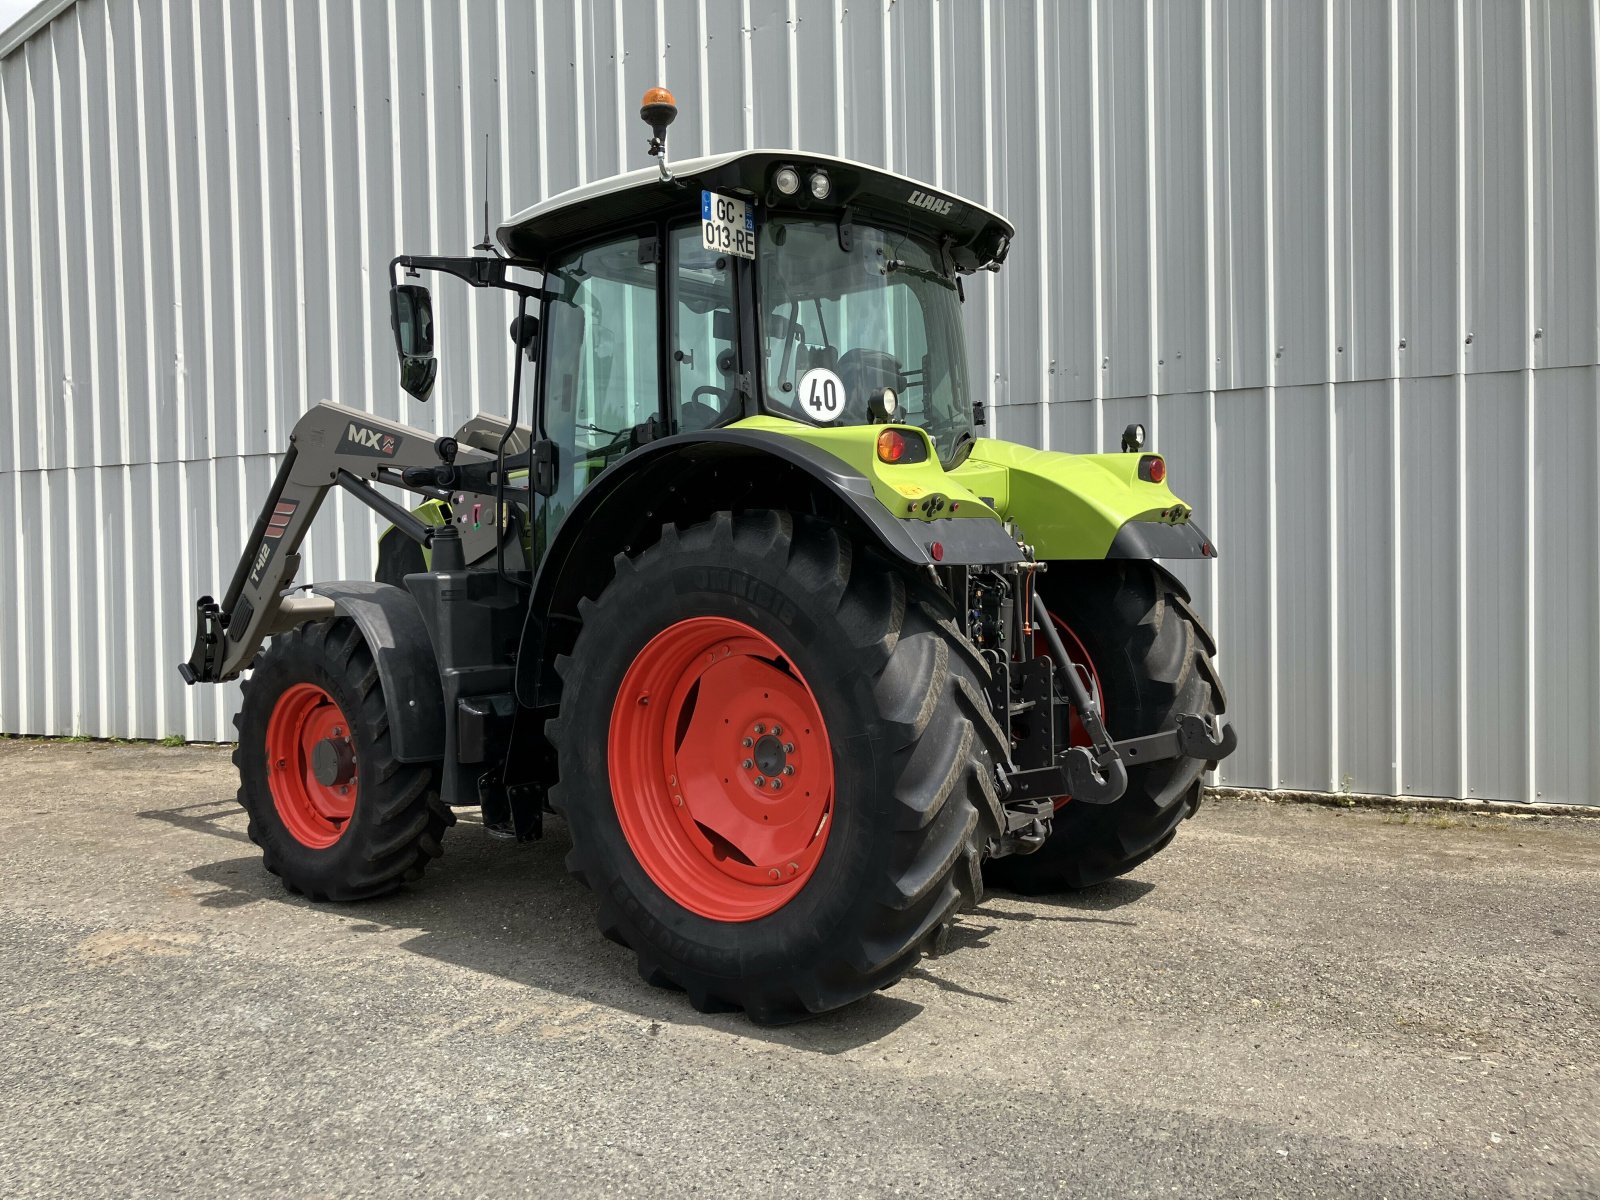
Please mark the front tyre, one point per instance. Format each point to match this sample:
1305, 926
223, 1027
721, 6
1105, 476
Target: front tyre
1130, 625
776, 763
336, 816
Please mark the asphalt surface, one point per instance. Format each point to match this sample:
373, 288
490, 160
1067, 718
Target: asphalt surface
1290, 1001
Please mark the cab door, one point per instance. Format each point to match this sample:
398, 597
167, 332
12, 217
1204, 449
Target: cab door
601, 394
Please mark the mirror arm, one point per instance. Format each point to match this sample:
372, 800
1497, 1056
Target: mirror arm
479, 272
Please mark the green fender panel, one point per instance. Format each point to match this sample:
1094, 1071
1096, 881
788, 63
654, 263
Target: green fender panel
1084, 505
1067, 506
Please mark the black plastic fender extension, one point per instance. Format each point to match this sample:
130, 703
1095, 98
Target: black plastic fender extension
1156, 539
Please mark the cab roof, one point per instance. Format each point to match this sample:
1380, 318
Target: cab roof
976, 235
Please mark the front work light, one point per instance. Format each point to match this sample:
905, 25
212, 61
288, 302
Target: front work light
820, 187
787, 180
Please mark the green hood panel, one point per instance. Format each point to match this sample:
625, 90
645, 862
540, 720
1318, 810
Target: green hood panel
1065, 505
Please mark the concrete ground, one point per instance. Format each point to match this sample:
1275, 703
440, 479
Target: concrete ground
1290, 1001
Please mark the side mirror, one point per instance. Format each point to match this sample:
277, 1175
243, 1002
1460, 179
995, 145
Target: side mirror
525, 334
411, 315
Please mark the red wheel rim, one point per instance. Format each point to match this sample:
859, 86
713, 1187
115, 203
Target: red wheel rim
721, 770
1079, 654
314, 810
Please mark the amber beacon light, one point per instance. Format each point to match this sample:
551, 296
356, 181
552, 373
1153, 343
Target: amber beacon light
659, 109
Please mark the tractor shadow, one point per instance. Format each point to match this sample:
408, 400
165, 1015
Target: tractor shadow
209, 816
999, 909
1102, 897
510, 910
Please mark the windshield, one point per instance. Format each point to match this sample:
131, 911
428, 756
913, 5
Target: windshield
841, 324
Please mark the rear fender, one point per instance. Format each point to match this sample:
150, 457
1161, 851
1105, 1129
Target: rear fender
1085, 506
685, 479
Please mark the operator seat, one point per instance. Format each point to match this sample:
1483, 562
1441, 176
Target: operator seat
697, 414
863, 372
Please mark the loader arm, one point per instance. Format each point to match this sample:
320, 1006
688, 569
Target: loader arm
331, 446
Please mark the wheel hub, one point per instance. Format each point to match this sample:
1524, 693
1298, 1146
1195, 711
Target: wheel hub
769, 756
333, 761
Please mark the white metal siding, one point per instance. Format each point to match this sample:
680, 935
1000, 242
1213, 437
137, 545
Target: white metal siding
1341, 258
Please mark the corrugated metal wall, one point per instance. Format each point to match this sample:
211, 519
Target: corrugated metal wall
1341, 258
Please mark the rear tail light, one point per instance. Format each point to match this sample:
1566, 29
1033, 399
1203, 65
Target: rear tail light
1153, 468
901, 448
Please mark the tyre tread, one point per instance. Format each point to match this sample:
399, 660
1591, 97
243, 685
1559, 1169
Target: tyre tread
408, 819
941, 809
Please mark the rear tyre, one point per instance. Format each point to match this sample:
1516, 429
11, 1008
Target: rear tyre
1153, 659
335, 815
852, 689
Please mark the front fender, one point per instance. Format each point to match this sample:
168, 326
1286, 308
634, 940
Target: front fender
392, 626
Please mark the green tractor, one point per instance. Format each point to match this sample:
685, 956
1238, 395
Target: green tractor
800, 657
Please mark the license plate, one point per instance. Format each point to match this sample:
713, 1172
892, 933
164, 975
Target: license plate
727, 226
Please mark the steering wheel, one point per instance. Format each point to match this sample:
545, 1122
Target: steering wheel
696, 414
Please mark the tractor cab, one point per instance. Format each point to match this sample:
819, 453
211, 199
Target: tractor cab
803, 287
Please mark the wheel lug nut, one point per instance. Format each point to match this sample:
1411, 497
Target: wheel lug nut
777, 731
761, 781
777, 785
760, 728
788, 747
747, 743
787, 770
748, 763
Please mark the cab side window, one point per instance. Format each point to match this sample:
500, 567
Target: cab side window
603, 382
701, 334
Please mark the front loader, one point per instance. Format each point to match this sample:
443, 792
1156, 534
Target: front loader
799, 656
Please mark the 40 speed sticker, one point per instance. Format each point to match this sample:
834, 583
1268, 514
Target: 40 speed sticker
822, 394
